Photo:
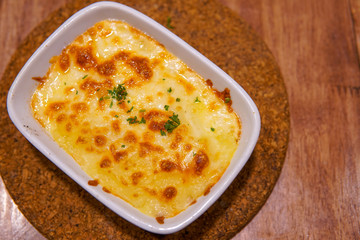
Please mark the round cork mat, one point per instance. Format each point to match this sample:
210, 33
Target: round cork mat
61, 209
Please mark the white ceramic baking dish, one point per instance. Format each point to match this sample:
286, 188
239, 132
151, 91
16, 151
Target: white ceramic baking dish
18, 104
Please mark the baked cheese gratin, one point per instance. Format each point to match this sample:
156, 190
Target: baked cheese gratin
137, 119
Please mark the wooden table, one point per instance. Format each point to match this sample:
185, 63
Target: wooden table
316, 44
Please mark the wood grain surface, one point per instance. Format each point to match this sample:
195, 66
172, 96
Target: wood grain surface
315, 44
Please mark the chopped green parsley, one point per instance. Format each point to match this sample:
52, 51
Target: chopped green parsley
166, 107
172, 123
227, 100
130, 109
132, 120
169, 90
84, 76
197, 100
162, 133
178, 99
142, 121
119, 93
212, 129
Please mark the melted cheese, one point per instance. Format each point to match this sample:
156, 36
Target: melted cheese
160, 171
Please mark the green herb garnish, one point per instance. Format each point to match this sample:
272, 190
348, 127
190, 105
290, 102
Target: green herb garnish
162, 133
178, 99
119, 93
123, 146
142, 121
212, 129
166, 107
84, 76
197, 100
132, 120
77, 92
169, 90
227, 100
142, 110
111, 104
130, 109
116, 116
172, 123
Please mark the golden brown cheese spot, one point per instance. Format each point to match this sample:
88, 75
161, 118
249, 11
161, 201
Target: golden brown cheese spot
69, 90
99, 26
141, 66
209, 83
177, 140
155, 114
75, 119
91, 87
167, 166
100, 140
79, 39
54, 107
146, 148
150, 191
115, 125
189, 88
130, 137
93, 183
120, 155
68, 127
105, 163
135, 177
92, 32
148, 136
188, 147
80, 107
169, 192
106, 190
106, 68
207, 190
61, 118
156, 126
201, 161
122, 56
131, 83
64, 61
39, 79
160, 220
80, 140
84, 57
226, 97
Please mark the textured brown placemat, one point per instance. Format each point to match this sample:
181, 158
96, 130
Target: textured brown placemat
60, 209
